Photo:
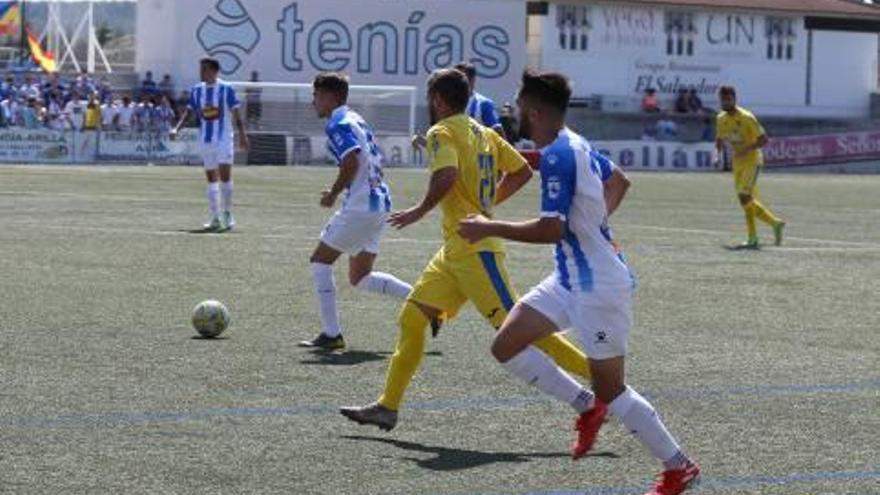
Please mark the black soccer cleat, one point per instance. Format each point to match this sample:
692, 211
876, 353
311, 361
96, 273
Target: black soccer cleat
371, 414
436, 324
322, 341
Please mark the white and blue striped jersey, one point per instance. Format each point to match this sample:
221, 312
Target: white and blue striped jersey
482, 109
213, 104
347, 132
573, 190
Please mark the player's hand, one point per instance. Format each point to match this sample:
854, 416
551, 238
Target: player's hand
419, 141
244, 142
327, 199
400, 219
172, 134
474, 228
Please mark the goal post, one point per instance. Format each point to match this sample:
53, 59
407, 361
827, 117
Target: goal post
284, 128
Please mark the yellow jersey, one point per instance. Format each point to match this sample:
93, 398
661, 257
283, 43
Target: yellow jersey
478, 153
740, 129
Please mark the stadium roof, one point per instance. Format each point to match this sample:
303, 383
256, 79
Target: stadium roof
848, 8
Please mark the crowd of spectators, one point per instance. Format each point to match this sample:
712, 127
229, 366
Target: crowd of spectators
35, 101
687, 103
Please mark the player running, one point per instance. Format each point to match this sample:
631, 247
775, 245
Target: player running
591, 289
738, 129
357, 226
462, 157
213, 101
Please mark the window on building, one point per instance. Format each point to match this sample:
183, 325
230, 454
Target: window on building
781, 38
573, 24
681, 33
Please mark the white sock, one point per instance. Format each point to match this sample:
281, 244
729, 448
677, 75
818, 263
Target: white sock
535, 368
214, 198
226, 189
386, 284
325, 288
642, 420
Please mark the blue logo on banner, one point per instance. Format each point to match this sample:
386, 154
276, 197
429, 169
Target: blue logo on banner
230, 39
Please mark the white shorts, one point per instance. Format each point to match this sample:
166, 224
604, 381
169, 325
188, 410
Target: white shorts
600, 319
353, 232
214, 155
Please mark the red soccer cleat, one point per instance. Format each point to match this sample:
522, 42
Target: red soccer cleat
587, 426
676, 481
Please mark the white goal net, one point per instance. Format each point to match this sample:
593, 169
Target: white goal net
284, 129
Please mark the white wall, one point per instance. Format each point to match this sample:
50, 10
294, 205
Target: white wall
293, 40
627, 51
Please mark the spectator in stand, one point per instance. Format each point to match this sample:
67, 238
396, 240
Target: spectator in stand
93, 113
54, 116
708, 133
148, 86
32, 115
695, 104
682, 105
125, 117
30, 88
75, 110
84, 84
109, 114
253, 100
7, 88
667, 129
143, 114
650, 103
11, 108
166, 87
649, 131
105, 91
165, 115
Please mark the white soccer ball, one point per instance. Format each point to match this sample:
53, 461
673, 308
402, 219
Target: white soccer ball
210, 318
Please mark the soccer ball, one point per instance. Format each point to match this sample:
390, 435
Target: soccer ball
210, 318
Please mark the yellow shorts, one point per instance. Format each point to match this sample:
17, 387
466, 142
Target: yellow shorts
745, 179
446, 284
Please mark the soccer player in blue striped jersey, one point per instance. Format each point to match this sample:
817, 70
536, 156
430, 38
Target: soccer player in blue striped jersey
357, 227
217, 107
591, 290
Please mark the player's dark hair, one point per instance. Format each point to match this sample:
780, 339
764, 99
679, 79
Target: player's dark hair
211, 63
452, 86
333, 82
727, 91
549, 89
467, 69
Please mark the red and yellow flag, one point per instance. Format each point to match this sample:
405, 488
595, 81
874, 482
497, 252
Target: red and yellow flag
10, 18
43, 58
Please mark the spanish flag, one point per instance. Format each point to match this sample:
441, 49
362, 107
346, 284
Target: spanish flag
10, 18
43, 58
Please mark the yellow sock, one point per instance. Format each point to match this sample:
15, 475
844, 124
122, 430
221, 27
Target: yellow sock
567, 355
764, 214
751, 228
407, 355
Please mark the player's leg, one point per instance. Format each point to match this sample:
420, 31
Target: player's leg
764, 214
334, 241
436, 293
485, 281
602, 322
226, 187
213, 192
360, 266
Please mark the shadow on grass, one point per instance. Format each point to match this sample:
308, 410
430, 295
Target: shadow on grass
350, 358
449, 459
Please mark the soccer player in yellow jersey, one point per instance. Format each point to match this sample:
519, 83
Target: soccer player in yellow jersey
463, 158
738, 130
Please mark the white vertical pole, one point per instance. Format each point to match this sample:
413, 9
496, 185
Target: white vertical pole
90, 30
412, 122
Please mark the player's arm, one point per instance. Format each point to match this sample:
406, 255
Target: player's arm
442, 181
546, 230
233, 102
517, 172
183, 117
557, 180
347, 170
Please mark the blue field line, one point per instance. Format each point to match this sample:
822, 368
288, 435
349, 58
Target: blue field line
709, 485
465, 404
